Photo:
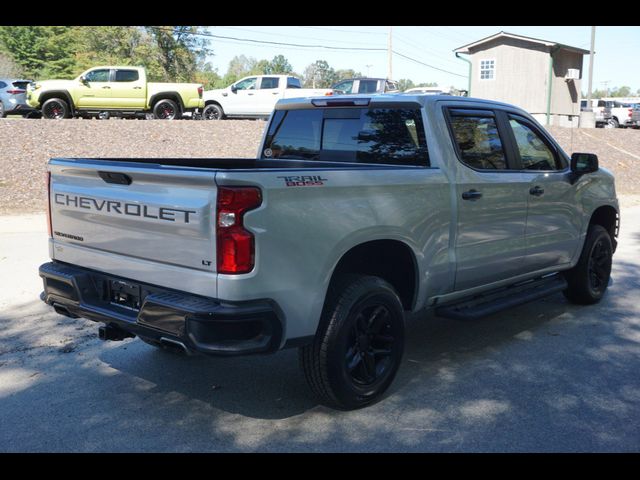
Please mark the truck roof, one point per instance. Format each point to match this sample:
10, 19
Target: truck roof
392, 98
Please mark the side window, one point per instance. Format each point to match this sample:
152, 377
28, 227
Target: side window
3, 85
368, 86
269, 82
293, 82
478, 140
97, 76
534, 152
346, 86
247, 84
127, 75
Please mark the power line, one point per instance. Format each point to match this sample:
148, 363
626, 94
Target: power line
273, 43
422, 49
288, 35
427, 65
345, 31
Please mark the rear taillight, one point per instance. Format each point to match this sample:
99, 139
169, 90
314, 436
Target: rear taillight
235, 244
48, 179
630, 112
200, 90
15, 92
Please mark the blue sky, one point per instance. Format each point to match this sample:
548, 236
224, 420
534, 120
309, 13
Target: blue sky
616, 60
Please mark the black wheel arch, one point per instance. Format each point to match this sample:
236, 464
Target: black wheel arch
174, 96
391, 260
609, 218
63, 94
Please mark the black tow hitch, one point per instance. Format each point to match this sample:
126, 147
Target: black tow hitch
111, 332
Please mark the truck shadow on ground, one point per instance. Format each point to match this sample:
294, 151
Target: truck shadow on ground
458, 382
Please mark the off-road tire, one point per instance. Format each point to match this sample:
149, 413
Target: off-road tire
588, 280
55, 109
213, 112
166, 109
352, 301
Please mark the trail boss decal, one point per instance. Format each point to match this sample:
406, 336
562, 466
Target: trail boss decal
304, 181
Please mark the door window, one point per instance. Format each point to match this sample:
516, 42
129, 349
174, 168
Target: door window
368, 86
478, 140
346, 86
269, 82
535, 154
127, 75
98, 75
247, 84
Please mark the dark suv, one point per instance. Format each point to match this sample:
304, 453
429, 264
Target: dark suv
366, 85
12, 97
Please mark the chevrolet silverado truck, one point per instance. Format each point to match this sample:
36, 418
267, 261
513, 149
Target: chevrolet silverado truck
356, 212
255, 96
119, 91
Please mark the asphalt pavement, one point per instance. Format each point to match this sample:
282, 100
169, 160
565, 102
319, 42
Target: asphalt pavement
544, 377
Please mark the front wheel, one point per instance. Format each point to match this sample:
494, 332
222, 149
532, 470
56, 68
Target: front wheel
588, 280
612, 123
166, 110
359, 344
55, 109
212, 112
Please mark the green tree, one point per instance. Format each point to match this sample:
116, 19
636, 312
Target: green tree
180, 50
427, 84
41, 51
621, 92
279, 65
346, 73
319, 75
405, 84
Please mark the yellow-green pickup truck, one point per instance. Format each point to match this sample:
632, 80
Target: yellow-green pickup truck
121, 91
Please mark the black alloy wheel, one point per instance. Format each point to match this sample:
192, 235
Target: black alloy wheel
55, 109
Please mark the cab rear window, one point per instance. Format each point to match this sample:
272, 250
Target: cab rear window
360, 135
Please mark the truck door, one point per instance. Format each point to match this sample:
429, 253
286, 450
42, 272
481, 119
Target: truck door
95, 91
128, 90
491, 199
241, 97
268, 93
553, 220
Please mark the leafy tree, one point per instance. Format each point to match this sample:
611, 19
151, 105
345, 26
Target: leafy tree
279, 65
179, 50
347, 73
621, 92
405, 84
8, 67
427, 84
319, 75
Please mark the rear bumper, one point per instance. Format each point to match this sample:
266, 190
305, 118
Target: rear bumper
201, 324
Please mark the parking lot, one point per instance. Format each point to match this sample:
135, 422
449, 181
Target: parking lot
547, 376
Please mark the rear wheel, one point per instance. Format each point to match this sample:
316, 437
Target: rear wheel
55, 109
588, 280
359, 344
612, 123
2, 112
212, 112
166, 110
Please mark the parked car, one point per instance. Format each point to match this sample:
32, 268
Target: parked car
602, 111
635, 116
255, 96
13, 99
620, 113
366, 85
427, 91
357, 212
111, 90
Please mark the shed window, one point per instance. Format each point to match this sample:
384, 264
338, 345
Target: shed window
487, 69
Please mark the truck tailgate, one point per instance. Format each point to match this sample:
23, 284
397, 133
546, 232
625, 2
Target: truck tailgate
144, 222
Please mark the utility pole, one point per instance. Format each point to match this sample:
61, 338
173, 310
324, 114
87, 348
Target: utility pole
368, 67
593, 42
390, 55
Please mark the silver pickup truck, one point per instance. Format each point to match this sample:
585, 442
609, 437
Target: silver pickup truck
355, 212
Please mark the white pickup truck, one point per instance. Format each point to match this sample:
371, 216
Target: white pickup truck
255, 96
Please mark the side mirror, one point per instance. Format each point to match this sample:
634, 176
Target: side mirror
83, 79
582, 163
234, 89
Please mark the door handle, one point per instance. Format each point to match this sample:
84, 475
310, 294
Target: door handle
275, 93
249, 93
107, 87
471, 195
137, 88
537, 191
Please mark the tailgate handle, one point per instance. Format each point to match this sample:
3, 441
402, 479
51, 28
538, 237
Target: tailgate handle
115, 177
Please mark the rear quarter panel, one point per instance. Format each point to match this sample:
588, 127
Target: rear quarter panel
302, 232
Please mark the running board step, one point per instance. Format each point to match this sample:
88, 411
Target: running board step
497, 300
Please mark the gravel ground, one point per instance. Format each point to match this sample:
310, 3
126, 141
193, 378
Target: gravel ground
27, 145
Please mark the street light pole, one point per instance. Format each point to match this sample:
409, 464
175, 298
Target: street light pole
390, 54
593, 42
